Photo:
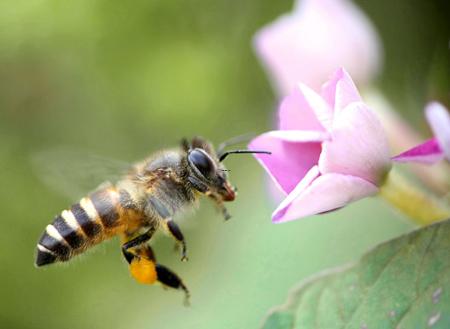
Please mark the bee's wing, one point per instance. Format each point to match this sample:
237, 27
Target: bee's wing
74, 173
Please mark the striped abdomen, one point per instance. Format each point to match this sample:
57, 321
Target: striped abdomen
92, 220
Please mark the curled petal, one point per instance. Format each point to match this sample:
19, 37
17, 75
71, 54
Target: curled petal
309, 177
294, 153
301, 136
340, 90
429, 152
358, 146
296, 113
322, 194
321, 109
439, 120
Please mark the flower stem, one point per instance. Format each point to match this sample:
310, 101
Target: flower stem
420, 206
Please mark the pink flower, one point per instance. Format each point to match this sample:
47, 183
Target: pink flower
330, 149
317, 38
436, 148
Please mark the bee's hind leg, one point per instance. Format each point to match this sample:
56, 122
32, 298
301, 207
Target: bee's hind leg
139, 240
144, 269
140, 257
170, 279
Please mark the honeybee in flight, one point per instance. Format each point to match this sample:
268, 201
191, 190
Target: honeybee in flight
144, 200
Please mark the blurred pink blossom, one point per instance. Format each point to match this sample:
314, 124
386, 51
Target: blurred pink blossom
437, 147
330, 149
315, 39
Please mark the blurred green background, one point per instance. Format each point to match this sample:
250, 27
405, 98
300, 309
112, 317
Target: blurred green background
123, 79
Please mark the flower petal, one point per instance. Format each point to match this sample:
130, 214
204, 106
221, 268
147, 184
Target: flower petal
322, 194
300, 135
429, 152
291, 157
296, 113
322, 111
309, 177
358, 146
439, 120
340, 90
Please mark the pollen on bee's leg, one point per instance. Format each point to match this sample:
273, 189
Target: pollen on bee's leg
143, 270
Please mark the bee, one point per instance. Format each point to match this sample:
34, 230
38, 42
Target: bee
144, 201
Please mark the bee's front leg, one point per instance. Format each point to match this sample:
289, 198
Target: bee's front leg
225, 213
219, 204
174, 230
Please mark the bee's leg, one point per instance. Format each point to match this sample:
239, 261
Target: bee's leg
170, 279
144, 269
221, 207
175, 232
140, 239
135, 242
225, 213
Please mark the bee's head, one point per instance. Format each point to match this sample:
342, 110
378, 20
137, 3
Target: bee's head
206, 171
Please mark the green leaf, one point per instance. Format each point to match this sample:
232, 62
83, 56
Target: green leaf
401, 284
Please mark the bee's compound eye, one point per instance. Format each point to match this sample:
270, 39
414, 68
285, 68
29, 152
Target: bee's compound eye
202, 162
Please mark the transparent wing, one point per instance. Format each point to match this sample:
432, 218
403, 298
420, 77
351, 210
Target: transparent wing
74, 173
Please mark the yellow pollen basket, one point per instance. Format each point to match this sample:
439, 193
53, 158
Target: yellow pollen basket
143, 270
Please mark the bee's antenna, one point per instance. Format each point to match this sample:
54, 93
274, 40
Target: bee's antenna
224, 155
233, 141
